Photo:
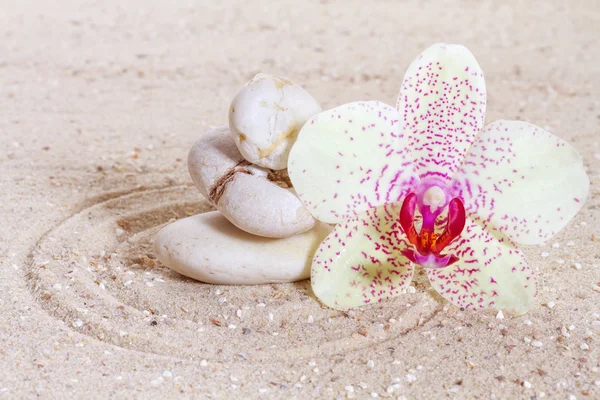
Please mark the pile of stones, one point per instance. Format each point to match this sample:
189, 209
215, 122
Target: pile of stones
261, 232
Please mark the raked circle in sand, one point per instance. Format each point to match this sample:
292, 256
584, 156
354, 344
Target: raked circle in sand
97, 272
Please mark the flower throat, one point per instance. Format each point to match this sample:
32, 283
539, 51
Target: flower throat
427, 245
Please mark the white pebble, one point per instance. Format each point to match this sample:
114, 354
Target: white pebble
411, 289
232, 326
545, 254
374, 394
349, 388
266, 116
584, 346
254, 199
200, 247
78, 323
310, 319
500, 315
570, 243
371, 364
556, 245
204, 363
156, 382
527, 322
167, 374
577, 266
537, 343
550, 304
527, 384
410, 378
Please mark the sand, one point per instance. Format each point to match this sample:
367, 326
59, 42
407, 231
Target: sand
99, 105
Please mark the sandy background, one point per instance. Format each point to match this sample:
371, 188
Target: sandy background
99, 104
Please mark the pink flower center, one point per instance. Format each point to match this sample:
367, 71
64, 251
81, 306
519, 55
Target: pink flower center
427, 245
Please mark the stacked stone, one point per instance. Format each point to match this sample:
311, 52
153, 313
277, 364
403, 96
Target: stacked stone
261, 232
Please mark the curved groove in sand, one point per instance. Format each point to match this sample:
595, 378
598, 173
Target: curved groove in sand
96, 271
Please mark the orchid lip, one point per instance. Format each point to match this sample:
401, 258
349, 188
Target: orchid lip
431, 261
427, 245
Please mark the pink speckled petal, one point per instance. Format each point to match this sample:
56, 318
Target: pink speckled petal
442, 103
360, 262
349, 159
523, 181
491, 272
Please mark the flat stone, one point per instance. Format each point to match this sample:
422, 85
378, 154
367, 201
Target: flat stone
207, 247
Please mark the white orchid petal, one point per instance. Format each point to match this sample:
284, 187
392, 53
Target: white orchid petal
442, 103
523, 181
491, 272
349, 159
360, 261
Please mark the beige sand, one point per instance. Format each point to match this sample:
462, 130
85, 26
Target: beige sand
99, 104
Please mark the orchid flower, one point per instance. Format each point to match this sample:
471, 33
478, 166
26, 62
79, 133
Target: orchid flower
427, 184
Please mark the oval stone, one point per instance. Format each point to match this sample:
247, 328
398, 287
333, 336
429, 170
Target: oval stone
266, 116
208, 248
255, 199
